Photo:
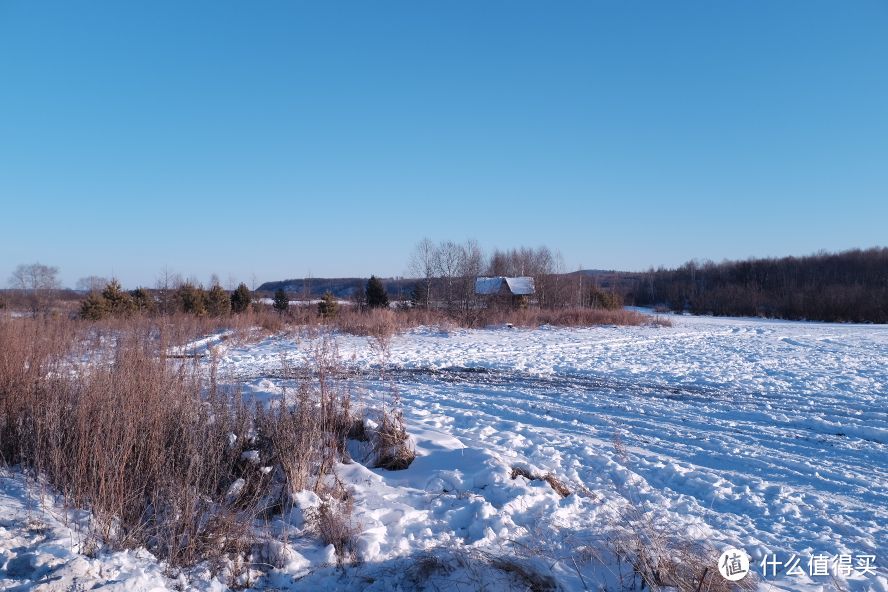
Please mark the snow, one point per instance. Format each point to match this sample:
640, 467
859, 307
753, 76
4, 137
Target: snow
42, 546
304, 302
768, 436
518, 286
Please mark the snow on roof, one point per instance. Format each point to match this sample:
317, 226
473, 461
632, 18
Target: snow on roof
518, 286
488, 285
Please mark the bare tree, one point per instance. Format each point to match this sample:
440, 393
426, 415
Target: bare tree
38, 282
471, 265
166, 285
447, 265
92, 283
422, 265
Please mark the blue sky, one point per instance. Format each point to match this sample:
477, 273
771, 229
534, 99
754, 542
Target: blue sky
280, 139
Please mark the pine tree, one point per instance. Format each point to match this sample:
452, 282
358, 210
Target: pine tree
94, 307
599, 298
192, 299
376, 294
117, 301
241, 299
419, 296
143, 301
328, 307
281, 301
218, 302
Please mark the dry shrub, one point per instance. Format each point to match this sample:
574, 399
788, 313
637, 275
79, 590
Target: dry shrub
529, 578
659, 558
663, 560
381, 322
555, 483
133, 439
308, 431
467, 568
130, 441
376, 322
148, 443
333, 522
392, 449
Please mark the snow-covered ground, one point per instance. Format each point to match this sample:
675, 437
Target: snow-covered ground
767, 436
44, 547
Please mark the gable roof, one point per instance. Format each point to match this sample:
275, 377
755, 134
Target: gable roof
488, 285
520, 286
517, 286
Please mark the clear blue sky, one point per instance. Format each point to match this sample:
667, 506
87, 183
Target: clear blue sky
286, 138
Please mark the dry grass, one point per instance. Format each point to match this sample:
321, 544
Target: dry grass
555, 483
308, 431
568, 317
333, 522
381, 322
661, 559
466, 568
149, 444
392, 448
130, 437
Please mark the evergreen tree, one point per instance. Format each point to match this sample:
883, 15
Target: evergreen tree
599, 298
281, 301
94, 307
218, 301
376, 294
192, 299
117, 301
241, 299
419, 296
143, 301
328, 307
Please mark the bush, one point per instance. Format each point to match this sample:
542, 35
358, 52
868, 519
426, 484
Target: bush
392, 448
147, 442
333, 522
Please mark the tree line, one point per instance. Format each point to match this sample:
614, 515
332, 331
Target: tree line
850, 286
187, 298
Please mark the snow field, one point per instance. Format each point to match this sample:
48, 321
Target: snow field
763, 435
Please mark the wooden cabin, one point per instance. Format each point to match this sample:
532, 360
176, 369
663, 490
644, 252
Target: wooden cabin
505, 291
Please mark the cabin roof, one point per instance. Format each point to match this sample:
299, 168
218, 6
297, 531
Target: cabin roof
517, 286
